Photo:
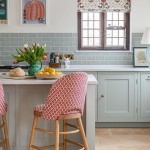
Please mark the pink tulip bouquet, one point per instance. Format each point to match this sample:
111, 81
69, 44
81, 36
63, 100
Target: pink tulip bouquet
31, 54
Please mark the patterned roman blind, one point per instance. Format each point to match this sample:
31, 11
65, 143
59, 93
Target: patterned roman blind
104, 5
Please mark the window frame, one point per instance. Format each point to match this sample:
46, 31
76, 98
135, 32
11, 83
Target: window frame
103, 41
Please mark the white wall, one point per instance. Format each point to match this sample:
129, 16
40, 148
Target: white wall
140, 15
62, 17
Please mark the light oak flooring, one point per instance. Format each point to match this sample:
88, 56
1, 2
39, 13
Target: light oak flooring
122, 139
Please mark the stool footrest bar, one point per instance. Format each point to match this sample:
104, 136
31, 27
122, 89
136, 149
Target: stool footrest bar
44, 147
73, 126
75, 143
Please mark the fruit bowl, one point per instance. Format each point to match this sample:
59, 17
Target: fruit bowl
48, 76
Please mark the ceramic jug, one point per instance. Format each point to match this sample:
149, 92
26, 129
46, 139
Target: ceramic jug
67, 62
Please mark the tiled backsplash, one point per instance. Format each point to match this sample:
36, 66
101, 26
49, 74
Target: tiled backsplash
63, 43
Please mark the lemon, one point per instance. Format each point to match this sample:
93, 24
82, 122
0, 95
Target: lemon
58, 72
52, 72
40, 72
47, 73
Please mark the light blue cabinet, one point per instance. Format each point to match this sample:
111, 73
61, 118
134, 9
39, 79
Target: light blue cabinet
122, 96
117, 100
144, 97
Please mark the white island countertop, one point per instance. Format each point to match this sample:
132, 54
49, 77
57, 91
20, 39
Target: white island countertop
104, 68
91, 80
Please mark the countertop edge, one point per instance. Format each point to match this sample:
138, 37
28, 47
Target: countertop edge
91, 81
120, 68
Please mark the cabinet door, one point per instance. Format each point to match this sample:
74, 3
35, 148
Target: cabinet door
117, 97
144, 100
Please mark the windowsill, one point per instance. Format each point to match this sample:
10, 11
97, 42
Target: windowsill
92, 51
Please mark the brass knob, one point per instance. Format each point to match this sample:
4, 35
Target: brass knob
102, 95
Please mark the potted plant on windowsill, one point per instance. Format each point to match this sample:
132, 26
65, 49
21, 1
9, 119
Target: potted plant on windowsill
32, 55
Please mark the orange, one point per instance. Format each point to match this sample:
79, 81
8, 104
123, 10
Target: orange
51, 70
46, 69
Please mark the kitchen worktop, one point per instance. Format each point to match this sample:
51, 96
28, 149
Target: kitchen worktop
121, 68
104, 68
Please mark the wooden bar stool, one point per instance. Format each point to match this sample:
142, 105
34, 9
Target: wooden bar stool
65, 101
3, 110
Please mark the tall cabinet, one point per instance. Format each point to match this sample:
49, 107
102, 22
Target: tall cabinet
117, 100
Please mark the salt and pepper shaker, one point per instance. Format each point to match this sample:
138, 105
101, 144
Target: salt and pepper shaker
52, 57
56, 59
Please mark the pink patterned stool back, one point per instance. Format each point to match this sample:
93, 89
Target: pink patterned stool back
2, 102
67, 96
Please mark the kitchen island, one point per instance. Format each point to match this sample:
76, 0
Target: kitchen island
23, 95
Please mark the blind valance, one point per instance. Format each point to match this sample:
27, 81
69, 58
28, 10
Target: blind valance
104, 5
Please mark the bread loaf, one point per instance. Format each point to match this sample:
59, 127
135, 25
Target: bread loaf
17, 72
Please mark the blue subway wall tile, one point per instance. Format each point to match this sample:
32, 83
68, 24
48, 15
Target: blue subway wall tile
65, 43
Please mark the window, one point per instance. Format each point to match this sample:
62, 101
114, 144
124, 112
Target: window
103, 31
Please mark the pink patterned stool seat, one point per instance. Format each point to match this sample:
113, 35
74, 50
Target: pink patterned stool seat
65, 100
40, 108
3, 110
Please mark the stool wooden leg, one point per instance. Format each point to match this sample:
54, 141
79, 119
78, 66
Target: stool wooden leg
82, 133
6, 132
65, 135
33, 131
57, 135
